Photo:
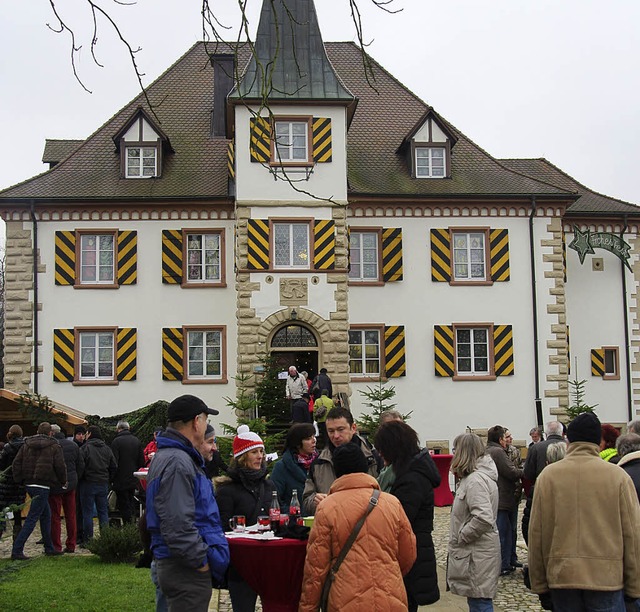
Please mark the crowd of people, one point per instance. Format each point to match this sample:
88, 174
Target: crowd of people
373, 507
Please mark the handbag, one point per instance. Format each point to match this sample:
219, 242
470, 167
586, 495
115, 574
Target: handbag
324, 601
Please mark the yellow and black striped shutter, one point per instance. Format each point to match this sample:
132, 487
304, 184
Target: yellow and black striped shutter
499, 251
231, 160
64, 341
172, 353
65, 255
260, 140
324, 245
503, 350
597, 362
172, 257
258, 244
440, 255
391, 254
321, 134
126, 353
127, 257
443, 350
394, 351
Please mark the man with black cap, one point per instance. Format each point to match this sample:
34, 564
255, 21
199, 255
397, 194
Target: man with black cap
584, 533
187, 539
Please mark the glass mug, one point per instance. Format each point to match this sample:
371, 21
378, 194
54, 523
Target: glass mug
263, 522
238, 522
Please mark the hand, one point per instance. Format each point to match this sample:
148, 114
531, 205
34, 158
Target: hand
318, 498
204, 568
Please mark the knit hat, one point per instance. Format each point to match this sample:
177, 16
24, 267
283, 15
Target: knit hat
349, 459
585, 428
245, 441
210, 432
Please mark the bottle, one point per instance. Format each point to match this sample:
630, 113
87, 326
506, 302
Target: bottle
274, 513
295, 517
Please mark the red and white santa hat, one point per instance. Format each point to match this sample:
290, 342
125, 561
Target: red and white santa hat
245, 441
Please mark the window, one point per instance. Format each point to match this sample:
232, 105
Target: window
97, 259
141, 162
204, 354
203, 258
96, 355
291, 245
469, 256
611, 363
472, 351
364, 352
291, 142
364, 256
430, 162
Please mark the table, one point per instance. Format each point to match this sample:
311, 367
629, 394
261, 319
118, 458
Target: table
273, 569
442, 495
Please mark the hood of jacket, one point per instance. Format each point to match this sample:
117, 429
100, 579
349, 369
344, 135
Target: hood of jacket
635, 455
425, 465
486, 465
170, 438
39, 441
359, 480
96, 442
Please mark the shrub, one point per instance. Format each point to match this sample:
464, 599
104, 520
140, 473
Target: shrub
117, 544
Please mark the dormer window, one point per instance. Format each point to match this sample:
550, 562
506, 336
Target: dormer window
291, 144
141, 145
430, 162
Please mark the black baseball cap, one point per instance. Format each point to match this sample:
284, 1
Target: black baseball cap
187, 407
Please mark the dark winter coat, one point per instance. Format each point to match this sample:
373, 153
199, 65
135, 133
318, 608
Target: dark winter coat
74, 462
320, 382
214, 467
237, 496
300, 411
129, 456
508, 476
99, 463
537, 457
288, 476
630, 463
40, 462
11, 492
414, 489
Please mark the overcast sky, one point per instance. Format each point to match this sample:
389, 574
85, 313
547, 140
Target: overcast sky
522, 78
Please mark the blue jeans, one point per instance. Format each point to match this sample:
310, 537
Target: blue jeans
580, 600
161, 600
505, 530
480, 604
39, 510
513, 516
91, 492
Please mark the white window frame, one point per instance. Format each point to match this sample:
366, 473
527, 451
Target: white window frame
356, 273
362, 345
467, 253
292, 257
473, 356
611, 374
83, 238
192, 342
136, 162
84, 349
428, 166
202, 250
284, 143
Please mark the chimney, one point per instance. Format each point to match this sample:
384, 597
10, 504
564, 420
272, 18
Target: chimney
223, 80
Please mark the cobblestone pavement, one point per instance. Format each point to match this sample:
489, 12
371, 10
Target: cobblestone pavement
512, 595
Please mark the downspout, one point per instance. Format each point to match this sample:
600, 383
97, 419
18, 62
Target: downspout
36, 363
625, 308
534, 308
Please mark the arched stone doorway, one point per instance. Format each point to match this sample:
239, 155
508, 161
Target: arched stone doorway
295, 344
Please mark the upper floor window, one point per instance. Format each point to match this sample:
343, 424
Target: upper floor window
430, 162
291, 143
204, 354
96, 355
97, 256
364, 256
472, 351
203, 258
469, 256
141, 162
364, 352
291, 245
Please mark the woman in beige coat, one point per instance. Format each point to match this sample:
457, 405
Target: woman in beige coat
474, 545
370, 578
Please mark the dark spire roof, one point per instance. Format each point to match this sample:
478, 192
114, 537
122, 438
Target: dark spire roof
289, 48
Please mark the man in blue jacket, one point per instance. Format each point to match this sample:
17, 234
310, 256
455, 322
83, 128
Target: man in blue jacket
187, 539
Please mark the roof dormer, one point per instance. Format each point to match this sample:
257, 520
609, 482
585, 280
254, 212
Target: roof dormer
428, 148
142, 146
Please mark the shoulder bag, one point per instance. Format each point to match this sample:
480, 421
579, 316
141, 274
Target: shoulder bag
324, 602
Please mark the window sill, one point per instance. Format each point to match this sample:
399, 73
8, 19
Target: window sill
366, 283
611, 377
205, 381
102, 383
96, 286
367, 379
195, 285
471, 283
467, 377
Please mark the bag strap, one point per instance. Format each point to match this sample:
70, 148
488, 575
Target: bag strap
373, 502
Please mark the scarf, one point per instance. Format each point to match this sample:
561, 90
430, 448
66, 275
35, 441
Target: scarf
305, 461
249, 478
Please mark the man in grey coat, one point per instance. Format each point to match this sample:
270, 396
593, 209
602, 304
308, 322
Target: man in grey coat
537, 454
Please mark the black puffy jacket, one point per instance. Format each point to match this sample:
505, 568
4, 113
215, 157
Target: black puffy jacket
74, 462
11, 492
129, 455
414, 489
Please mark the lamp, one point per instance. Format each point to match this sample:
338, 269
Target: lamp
293, 315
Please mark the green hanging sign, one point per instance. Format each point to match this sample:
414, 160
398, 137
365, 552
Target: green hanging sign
584, 243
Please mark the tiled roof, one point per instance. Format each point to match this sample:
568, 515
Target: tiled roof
183, 101
589, 202
56, 150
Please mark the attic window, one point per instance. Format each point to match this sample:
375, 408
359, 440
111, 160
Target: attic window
142, 162
430, 162
291, 143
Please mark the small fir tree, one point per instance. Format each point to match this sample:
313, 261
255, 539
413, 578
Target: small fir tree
577, 393
378, 400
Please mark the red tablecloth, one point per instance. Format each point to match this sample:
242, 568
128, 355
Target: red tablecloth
273, 569
442, 495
